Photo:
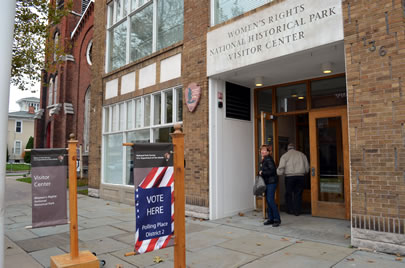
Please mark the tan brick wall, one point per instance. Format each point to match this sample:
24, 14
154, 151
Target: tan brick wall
376, 110
196, 23
96, 102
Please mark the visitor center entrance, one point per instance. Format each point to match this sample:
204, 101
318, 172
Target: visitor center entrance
312, 114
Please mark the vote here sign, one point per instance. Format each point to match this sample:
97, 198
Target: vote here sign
154, 185
153, 212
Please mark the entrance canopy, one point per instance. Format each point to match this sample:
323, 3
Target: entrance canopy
293, 67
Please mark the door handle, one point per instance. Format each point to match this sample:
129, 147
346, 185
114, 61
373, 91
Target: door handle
313, 172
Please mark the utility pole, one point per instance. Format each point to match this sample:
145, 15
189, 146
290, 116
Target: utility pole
7, 15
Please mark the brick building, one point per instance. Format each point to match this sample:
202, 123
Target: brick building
65, 85
325, 75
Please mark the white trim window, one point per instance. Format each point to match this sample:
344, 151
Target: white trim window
17, 147
223, 10
145, 119
55, 46
55, 90
50, 92
138, 28
18, 126
89, 53
86, 129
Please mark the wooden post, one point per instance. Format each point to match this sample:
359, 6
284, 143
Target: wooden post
179, 199
74, 240
74, 259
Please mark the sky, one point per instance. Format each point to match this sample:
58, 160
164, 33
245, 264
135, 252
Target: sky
16, 94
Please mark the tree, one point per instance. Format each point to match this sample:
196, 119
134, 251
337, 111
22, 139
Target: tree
30, 145
34, 19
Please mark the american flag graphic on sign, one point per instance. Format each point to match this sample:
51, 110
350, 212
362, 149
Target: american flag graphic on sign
154, 181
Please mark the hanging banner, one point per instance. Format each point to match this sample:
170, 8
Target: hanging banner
48, 183
154, 185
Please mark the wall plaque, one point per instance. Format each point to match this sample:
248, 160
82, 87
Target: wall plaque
192, 96
281, 29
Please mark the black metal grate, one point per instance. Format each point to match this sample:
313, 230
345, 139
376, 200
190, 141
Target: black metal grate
237, 102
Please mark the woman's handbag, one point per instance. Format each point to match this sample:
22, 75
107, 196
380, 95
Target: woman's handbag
260, 186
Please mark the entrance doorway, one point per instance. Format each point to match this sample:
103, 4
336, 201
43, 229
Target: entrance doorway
329, 163
312, 115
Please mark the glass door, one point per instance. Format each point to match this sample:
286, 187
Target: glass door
267, 135
329, 169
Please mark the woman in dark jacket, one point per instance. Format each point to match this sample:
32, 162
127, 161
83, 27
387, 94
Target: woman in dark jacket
268, 171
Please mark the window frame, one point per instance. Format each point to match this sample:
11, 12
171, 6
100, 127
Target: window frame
108, 130
86, 120
89, 52
21, 126
50, 92
14, 149
55, 45
114, 21
55, 89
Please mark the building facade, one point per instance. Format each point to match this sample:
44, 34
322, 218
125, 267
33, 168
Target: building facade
21, 128
325, 75
65, 86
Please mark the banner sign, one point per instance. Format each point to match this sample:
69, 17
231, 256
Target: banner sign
154, 207
49, 176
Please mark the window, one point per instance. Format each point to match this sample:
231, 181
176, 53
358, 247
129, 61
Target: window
17, 147
291, 98
137, 114
179, 108
328, 92
55, 90
169, 22
50, 92
55, 46
18, 126
89, 53
224, 10
168, 106
141, 33
157, 105
86, 129
137, 28
264, 100
113, 152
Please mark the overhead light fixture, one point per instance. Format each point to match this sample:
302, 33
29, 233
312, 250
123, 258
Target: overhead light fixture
301, 97
326, 67
294, 95
259, 81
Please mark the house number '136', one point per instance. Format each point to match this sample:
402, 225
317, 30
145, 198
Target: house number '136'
372, 47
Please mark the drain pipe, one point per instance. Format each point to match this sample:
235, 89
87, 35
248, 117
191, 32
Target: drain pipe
7, 14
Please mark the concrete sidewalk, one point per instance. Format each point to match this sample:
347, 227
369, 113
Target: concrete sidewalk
107, 228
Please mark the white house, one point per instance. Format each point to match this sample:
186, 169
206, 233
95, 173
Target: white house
21, 128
